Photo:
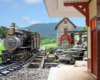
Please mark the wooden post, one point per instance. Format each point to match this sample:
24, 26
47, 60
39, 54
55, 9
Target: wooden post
98, 39
72, 36
80, 37
98, 49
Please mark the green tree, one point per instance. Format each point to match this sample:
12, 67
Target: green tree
49, 49
3, 31
45, 41
53, 40
84, 28
48, 41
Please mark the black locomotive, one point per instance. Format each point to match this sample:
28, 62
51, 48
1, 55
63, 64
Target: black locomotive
19, 44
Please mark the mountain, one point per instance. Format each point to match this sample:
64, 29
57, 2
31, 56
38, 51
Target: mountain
78, 28
46, 30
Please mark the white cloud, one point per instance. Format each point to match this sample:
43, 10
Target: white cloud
33, 22
38, 6
13, 4
27, 20
16, 3
14, 7
6, 0
32, 1
44, 12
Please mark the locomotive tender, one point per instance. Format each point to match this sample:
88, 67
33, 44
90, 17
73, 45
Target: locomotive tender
19, 44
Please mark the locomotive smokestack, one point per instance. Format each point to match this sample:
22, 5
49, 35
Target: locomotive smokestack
13, 25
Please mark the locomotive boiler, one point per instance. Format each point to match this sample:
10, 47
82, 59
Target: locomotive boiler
19, 44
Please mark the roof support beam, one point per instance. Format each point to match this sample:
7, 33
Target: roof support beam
82, 7
76, 31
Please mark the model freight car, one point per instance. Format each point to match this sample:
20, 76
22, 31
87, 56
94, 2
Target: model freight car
19, 44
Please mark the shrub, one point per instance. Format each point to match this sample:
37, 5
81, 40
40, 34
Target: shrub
48, 41
2, 46
49, 49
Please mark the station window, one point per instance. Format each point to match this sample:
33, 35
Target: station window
65, 22
65, 29
93, 24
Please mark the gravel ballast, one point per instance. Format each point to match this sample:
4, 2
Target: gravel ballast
27, 74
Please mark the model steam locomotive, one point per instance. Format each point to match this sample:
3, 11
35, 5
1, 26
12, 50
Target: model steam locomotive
19, 44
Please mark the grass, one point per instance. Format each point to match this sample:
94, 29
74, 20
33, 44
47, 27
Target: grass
77, 36
1, 46
50, 45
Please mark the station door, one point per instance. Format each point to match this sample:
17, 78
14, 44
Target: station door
94, 47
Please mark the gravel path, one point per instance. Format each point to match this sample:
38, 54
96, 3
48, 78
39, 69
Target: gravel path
27, 74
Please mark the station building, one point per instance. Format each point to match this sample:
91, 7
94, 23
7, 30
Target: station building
64, 25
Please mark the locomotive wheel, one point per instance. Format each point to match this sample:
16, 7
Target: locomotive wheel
22, 55
25, 53
29, 53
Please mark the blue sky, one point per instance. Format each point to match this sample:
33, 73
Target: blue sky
27, 12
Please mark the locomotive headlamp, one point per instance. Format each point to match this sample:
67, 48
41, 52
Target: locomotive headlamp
10, 43
10, 31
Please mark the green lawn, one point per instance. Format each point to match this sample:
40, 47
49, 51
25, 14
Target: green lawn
1, 47
50, 45
77, 36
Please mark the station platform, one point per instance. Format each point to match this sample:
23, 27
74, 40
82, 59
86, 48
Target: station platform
69, 73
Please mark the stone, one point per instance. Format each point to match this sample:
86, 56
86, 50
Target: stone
60, 50
81, 63
76, 46
65, 42
77, 57
85, 59
85, 38
65, 59
83, 44
56, 61
78, 49
51, 57
79, 42
49, 65
85, 54
67, 49
70, 52
72, 62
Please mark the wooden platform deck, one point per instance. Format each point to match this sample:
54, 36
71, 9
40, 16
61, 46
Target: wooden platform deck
70, 73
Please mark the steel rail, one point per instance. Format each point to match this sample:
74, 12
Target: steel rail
17, 65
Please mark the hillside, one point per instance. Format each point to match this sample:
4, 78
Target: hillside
78, 28
46, 30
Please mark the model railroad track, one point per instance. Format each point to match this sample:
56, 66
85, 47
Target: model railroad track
17, 65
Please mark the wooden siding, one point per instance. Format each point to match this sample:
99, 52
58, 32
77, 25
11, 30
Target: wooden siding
89, 65
92, 9
92, 14
89, 42
38, 40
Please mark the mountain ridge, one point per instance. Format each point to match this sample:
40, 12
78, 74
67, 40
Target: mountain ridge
47, 30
